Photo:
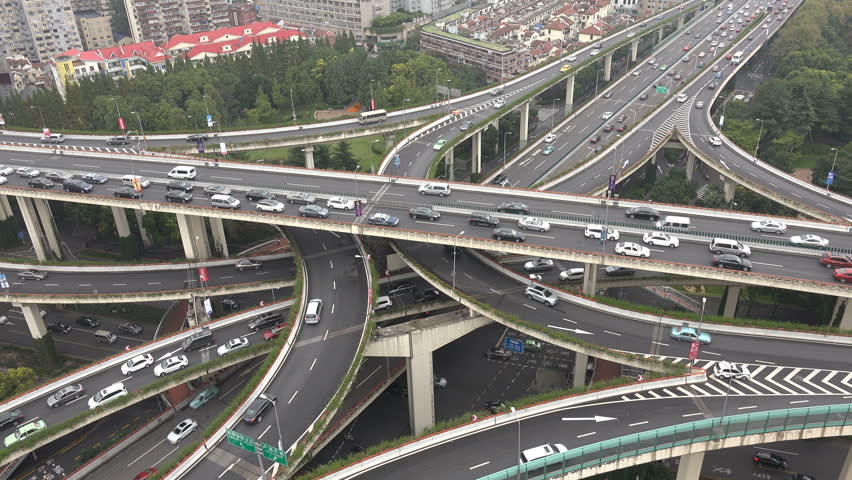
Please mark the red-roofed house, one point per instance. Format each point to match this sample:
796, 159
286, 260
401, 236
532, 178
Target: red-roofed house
590, 34
233, 40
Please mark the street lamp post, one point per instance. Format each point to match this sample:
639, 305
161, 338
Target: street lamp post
455, 254
436, 84
40, 114
504, 148
700, 322
833, 163
404, 129
518, 419
207, 110
553, 107
371, 93
292, 107
759, 134
139, 119
274, 401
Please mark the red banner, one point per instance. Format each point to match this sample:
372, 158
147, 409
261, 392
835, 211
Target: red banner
121, 124
202, 274
372, 104
693, 351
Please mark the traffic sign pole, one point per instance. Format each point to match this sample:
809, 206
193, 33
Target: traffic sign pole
260, 461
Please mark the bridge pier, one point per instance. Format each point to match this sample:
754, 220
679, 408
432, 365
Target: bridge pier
146, 239
680, 20
309, 156
525, 124
690, 466
450, 165
581, 365
390, 139
634, 49
660, 34
729, 188
846, 469
32, 314
731, 300
34, 229
220, 243
690, 165
607, 67
590, 279
421, 389
49, 226
5, 208
569, 95
846, 317
476, 153
121, 224
194, 237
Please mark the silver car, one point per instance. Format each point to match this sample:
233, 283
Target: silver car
541, 294
248, 264
32, 274
768, 226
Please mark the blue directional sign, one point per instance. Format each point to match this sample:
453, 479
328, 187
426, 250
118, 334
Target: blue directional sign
514, 345
830, 178
200, 146
396, 160
612, 182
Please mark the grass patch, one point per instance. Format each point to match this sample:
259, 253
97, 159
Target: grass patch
12, 356
134, 312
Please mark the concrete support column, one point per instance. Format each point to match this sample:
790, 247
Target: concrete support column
121, 224
690, 466
690, 164
607, 67
846, 318
731, 301
33, 227
32, 314
309, 156
590, 279
5, 208
634, 49
48, 226
581, 364
194, 237
220, 243
495, 124
569, 95
846, 469
146, 239
421, 389
729, 188
660, 34
476, 153
680, 20
525, 124
450, 165
389, 140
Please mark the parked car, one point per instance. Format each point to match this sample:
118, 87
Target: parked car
254, 413
65, 395
382, 303
508, 234
182, 430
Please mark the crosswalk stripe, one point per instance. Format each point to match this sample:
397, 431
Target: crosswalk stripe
725, 386
669, 392
625, 398
747, 386
639, 396
809, 382
769, 378
655, 394
686, 392
699, 390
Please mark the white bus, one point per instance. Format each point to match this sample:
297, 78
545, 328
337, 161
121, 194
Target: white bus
737, 58
372, 116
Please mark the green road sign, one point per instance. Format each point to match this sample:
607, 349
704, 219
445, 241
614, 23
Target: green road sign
662, 89
273, 454
242, 441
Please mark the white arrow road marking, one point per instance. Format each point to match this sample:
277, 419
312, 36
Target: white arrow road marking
168, 355
575, 330
596, 418
770, 380
809, 382
789, 379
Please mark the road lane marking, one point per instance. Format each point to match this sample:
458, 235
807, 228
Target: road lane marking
569, 321
529, 306
763, 361
573, 213
638, 423
713, 353
146, 453
85, 166
799, 401
264, 432
586, 434
692, 414
480, 465
294, 396
747, 408
475, 203
612, 333
227, 178
312, 364
768, 264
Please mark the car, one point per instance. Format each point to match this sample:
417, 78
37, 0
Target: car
127, 192
730, 370
497, 104
273, 332
465, 125
182, 185
715, 141
12, 417
217, 190
32, 274
541, 294
765, 26
596, 231
613, 271
40, 182
130, 328
382, 303
254, 413
715, 68
53, 138
843, 275
178, 196
65, 395
402, 288
549, 149
607, 95
595, 139
660, 239
197, 137
500, 179
687, 47
248, 264
729, 260
59, 327
118, 140
427, 295
340, 203
532, 345
636, 72
483, 219
571, 58
690, 334
313, 211
106, 395
145, 474
23, 432
549, 138
538, 265
260, 194
170, 365
424, 213
809, 240
701, 54
594, 52
498, 353
831, 260
205, 396
769, 226
711, 86
622, 128
663, 66
77, 186
267, 205
533, 223
608, 128
644, 96
606, 115
514, 207
642, 211
6, 171
681, 97
137, 363
383, 220
232, 346
88, 322
565, 68
508, 234
769, 459
58, 176
652, 61
699, 105
631, 249
182, 430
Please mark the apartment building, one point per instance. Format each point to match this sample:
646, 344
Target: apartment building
95, 29
497, 60
338, 16
37, 29
159, 20
242, 13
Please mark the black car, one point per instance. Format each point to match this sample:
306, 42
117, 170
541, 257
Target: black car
399, 389
130, 328
127, 192
95, 178
514, 207
619, 271
729, 260
88, 322
40, 182
197, 137
11, 418
769, 459
643, 212
258, 194
254, 413
119, 140
711, 86
178, 196
483, 219
595, 139
77, 186
508, 234
500, 179
231, 305
498, 353
424, 213
59, 327
428, 295
182, 185
313, 211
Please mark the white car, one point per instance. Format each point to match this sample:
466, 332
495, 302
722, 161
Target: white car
3, 180
572, 58
715, 141
660, 239
533, 223
636, 73
182, 430
606, 115
541, 294
267, 205
631, 34
137, 363
699, 105
232, 346
551, 137
499, 104
594, 52
340, 203
681, 98
382, 303
27, 172
768, 225
6, 171
632, 250
729, 369
171, 364
106, 395
809, 240
701, 54
652, 61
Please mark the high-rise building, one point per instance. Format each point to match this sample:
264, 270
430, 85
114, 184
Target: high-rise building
37, 29
242, 13
159, 20
338, 16
95, 30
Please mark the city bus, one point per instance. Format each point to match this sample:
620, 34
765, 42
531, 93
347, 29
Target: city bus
372, 116
737, 58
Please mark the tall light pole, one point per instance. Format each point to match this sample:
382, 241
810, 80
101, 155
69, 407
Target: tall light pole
404, 129
759, 134
292, 107
40, 114
274, 401
139, 119
518, 419
700, 322
833, 163
553, 107
455, 254
436, 84
373, 156
207, 110
504, 148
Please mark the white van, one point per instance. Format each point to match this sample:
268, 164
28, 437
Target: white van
724, 245
572, 274
105, 336
183, 173
127, 181
224, 201
441, 189
671, 221
595, 230
542, 451
313, 312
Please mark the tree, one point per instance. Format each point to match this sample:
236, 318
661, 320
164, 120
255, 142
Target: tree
162, 228
342, 159
262, 111
15, 381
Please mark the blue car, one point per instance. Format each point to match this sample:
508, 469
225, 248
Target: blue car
549, 149
205, 396
689, 334
383, 220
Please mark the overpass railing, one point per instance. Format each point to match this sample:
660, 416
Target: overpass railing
710, 430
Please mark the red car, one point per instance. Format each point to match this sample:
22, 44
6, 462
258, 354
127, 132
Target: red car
843, 275
729, 56
607, 128
687, 47
831, 260
274, 331
147, 473
621, 128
